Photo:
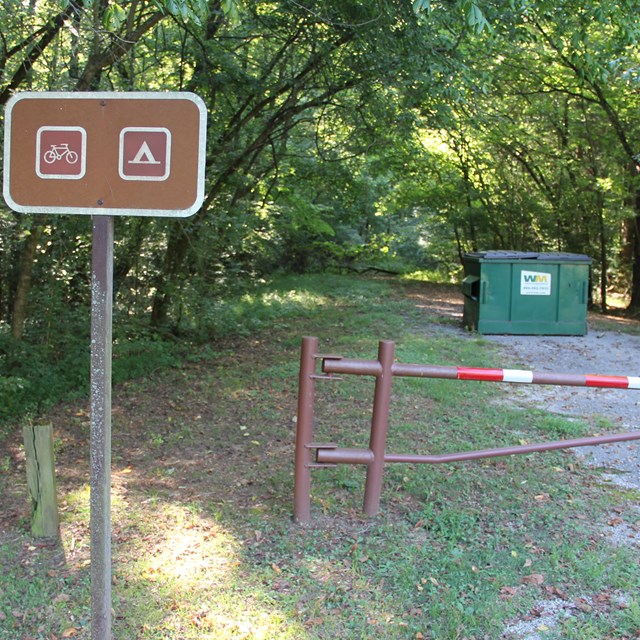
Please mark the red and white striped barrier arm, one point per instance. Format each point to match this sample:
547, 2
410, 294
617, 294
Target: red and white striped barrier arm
335, 364
541, 377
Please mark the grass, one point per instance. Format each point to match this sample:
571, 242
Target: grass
203, 542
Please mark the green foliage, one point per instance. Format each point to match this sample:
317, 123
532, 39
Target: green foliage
33, 375
42, 370
113, 17
344, 136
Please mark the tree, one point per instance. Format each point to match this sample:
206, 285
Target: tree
323, 123
547, 103
94, 38
286, 69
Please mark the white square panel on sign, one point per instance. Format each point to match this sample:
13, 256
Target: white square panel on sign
145, 153
61, 153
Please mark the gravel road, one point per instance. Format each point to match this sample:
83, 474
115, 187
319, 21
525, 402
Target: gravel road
611, 351
606, 352
598, 352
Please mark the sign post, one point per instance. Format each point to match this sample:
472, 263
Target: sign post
104, 155
100, 439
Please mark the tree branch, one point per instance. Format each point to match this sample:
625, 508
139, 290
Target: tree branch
115, 51
47, 34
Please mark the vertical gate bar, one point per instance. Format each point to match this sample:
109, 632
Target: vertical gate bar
379, 427
100, 438
304, 431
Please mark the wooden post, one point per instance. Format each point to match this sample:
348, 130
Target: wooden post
41, 480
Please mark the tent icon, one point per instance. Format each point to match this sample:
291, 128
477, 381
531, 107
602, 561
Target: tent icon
145, 153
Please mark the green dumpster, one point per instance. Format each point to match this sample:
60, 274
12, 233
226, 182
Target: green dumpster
526, 293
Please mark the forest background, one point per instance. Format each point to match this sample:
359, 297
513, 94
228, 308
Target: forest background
342, 134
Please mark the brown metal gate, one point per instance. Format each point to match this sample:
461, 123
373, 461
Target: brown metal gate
310, 454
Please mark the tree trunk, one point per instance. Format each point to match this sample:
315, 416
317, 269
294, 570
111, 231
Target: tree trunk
175, 254
604, 262
19, 313
634, 242
634, 302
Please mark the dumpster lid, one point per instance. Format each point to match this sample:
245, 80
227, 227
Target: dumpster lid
557, 256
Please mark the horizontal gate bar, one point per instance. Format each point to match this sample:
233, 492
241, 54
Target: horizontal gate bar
373, 368
384, 369
365, 456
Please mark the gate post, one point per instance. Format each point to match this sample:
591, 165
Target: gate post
304, 431
379, 427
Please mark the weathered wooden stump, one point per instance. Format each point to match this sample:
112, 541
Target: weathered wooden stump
41, 480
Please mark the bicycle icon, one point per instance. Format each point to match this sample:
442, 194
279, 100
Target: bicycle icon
60, 152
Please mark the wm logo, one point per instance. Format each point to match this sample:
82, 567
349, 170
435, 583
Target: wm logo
536, 277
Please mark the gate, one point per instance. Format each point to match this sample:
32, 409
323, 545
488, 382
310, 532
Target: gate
310, 455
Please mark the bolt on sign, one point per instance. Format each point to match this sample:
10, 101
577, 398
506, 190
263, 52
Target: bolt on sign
105, 153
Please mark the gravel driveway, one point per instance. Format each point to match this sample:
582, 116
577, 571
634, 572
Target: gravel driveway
607, 352
611, 351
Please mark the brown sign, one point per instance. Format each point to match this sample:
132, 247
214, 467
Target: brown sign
105, 153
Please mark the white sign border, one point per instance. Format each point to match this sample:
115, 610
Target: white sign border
107, 95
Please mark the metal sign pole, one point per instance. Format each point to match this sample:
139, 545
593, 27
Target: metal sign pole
100, 442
